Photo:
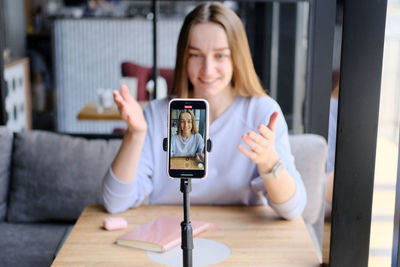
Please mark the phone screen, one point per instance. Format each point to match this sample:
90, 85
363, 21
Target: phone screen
187, 138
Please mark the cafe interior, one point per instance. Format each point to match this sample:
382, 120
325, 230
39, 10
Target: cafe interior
61, 59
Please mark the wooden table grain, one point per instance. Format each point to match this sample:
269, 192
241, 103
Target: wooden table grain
256, 236
92, 111
190, 163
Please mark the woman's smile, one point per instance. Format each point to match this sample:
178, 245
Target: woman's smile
208, 82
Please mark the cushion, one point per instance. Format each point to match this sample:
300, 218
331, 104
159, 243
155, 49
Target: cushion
310, 153
6, 138
55, 176
32, 245
168, 75
144, 74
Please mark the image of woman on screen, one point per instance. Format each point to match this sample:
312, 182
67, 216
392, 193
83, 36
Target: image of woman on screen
187, 142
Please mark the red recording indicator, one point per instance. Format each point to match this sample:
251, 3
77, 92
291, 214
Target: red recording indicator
187, 106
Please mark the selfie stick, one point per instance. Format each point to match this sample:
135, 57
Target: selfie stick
186, 225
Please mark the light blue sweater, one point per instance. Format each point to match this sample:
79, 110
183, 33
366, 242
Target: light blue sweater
190, 147
232, 177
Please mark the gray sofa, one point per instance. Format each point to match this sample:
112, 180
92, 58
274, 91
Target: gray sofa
46, 179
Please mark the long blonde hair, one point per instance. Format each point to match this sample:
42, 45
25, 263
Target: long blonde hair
244, 79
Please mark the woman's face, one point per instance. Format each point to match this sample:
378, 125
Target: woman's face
209, 65
186, 123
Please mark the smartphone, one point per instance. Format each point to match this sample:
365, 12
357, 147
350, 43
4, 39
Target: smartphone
187, 138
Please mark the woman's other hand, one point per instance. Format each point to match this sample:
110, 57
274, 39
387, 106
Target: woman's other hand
262, 150
130, 110
200, 157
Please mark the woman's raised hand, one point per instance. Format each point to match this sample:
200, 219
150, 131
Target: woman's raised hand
130, 110
262, 149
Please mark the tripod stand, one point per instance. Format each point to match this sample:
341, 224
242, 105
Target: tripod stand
186, 226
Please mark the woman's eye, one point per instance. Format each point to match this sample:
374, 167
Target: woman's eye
220, 56
194, 55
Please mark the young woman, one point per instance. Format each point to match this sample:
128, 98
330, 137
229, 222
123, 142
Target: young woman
187, 142
251, 162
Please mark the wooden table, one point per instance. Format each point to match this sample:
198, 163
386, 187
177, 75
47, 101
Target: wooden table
190, 163
256, 236
92, 111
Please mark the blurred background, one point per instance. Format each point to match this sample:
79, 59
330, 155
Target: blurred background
77, 48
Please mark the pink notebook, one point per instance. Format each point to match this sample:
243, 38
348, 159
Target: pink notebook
160, 234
